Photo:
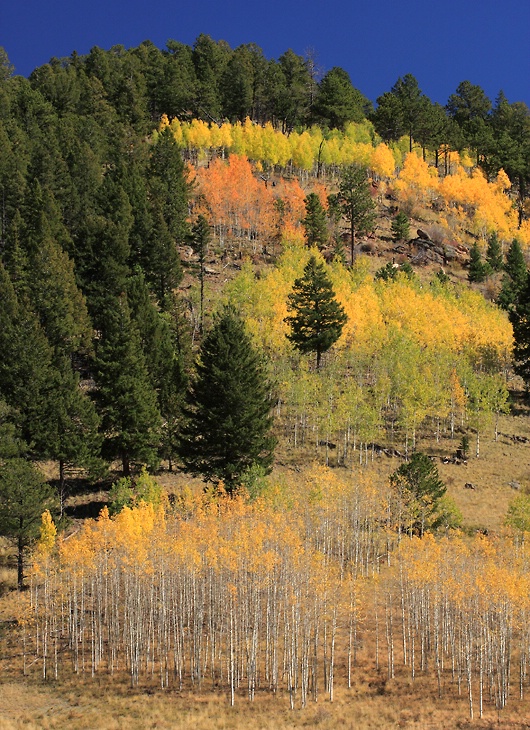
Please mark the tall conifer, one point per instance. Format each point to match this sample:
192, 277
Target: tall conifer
318, 319
127, 399
229, 420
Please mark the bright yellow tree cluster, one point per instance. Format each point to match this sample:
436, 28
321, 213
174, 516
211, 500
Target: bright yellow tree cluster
465, 196
243, 596
408, 355
298, 151
220, 593
465, 608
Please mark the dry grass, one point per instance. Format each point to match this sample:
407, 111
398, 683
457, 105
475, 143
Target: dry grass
78, 703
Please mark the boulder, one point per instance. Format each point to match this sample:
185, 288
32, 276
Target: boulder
423, 234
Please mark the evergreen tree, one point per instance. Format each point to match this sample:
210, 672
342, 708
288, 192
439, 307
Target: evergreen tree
400, 227
478, 271
228, 430
210, 60
420, 490
24, 495
292, 103
200, 239
516, 276
494, 252
236, 87
404, 110
318, 318
315, 222
57, 300
337, 101
519, 315
68, 430
126, 397
165, 356
11, 444
390, 270
25, 364
356, 202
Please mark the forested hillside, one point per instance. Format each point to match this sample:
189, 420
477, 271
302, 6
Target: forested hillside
227, 266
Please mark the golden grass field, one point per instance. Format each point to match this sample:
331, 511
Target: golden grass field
79, 703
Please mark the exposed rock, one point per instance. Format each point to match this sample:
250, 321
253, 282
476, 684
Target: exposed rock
423, 234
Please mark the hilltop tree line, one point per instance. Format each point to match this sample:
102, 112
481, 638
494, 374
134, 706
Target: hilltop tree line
214, 82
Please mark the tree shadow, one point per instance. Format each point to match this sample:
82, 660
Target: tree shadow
87, 510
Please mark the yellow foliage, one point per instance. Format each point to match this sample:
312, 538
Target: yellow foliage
382, 161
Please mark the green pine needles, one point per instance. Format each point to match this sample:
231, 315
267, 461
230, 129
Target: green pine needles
318, 318
228, 429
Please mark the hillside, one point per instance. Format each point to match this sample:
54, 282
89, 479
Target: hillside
140, 195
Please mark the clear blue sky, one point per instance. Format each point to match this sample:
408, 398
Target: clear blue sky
440, 42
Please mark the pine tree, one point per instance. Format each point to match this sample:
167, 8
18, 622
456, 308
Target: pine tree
228, 430
420, 490
516, 276
165, 356
24, 495
400, 227
356, 203
519, 315
68, 430
126, 397
318, 318
200, 239
315, 222
25, 363
494, 252
477, 269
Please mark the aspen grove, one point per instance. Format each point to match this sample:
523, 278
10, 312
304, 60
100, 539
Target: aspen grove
247, 597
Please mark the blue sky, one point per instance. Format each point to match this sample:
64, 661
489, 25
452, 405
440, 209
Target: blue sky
440, 42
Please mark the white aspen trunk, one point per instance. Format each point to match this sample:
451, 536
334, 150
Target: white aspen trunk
332, 655
389, 635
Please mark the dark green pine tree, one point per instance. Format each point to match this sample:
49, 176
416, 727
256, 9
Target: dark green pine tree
68, 432
166, 357
315, 222
317, 319
200, 239
519, 315
24, 495
515, 278
58, 302
494, 252
127, 400
15, 258
477, 271
25, 363
168, 186
420, 489
356, 202
337, 101
49, 409
11, 444
400, 227
228, 429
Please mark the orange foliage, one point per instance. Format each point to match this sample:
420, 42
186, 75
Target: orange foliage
239, 204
